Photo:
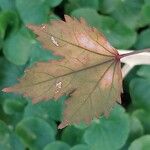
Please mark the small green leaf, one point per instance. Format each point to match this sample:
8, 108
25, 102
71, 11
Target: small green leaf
108, 6
35, 11
4, 137
139, 97
53, 17
80, 147
35, 133
8, 140
7, 4
54, 3
17, 47
142, 143
46, 110
26, 50
128, 12
143, 40
144, 118
136, 128
108, 133
13, 106
74, 4
145, 15
72, 135
57, 145
9, 73
144, 71
38, 53
8, 19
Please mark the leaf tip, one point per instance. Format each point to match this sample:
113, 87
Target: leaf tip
6, 90
29, 26
63, 124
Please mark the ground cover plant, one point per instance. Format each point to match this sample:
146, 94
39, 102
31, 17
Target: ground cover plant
126, 26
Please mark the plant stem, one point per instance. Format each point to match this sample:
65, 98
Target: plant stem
135, 52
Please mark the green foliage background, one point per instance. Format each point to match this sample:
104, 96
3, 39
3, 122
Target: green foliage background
24, 126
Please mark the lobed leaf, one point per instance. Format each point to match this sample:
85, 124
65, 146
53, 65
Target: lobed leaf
89, 72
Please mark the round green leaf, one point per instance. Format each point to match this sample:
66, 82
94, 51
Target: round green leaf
136, 128
108, 6
54, 3
57, 145
38, 53
145, 15
13, 106
8, 19
35, 11
144, 71
35, 133
74, 4
4, 137
120, 36
108, 133
140, 92
93, 18
143, 40
49, 110
17, 47
9, 73
72, 135
26, 49
80, 147
8, 140
7, 4
144, 118
142, 143
128, 12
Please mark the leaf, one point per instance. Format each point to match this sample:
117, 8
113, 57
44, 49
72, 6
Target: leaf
140, 98
12, 106
144, 118
54, 3
20, 52
35, 133
128, 13
8, 19
8, 140
7, 4
145, 15
80, 147
50, 110
74, 4
26, 50
142, 143
35, 11
89, 72
108, 6
142, 41
102, 132
136, 128
72, 135
57, 145
144, 72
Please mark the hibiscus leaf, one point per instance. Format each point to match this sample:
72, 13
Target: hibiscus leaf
89, 71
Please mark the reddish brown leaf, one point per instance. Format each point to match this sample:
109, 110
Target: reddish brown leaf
90, 70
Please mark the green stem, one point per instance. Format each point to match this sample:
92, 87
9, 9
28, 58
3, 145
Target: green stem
135, 52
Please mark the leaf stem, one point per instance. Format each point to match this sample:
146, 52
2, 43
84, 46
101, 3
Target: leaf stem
135, 52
